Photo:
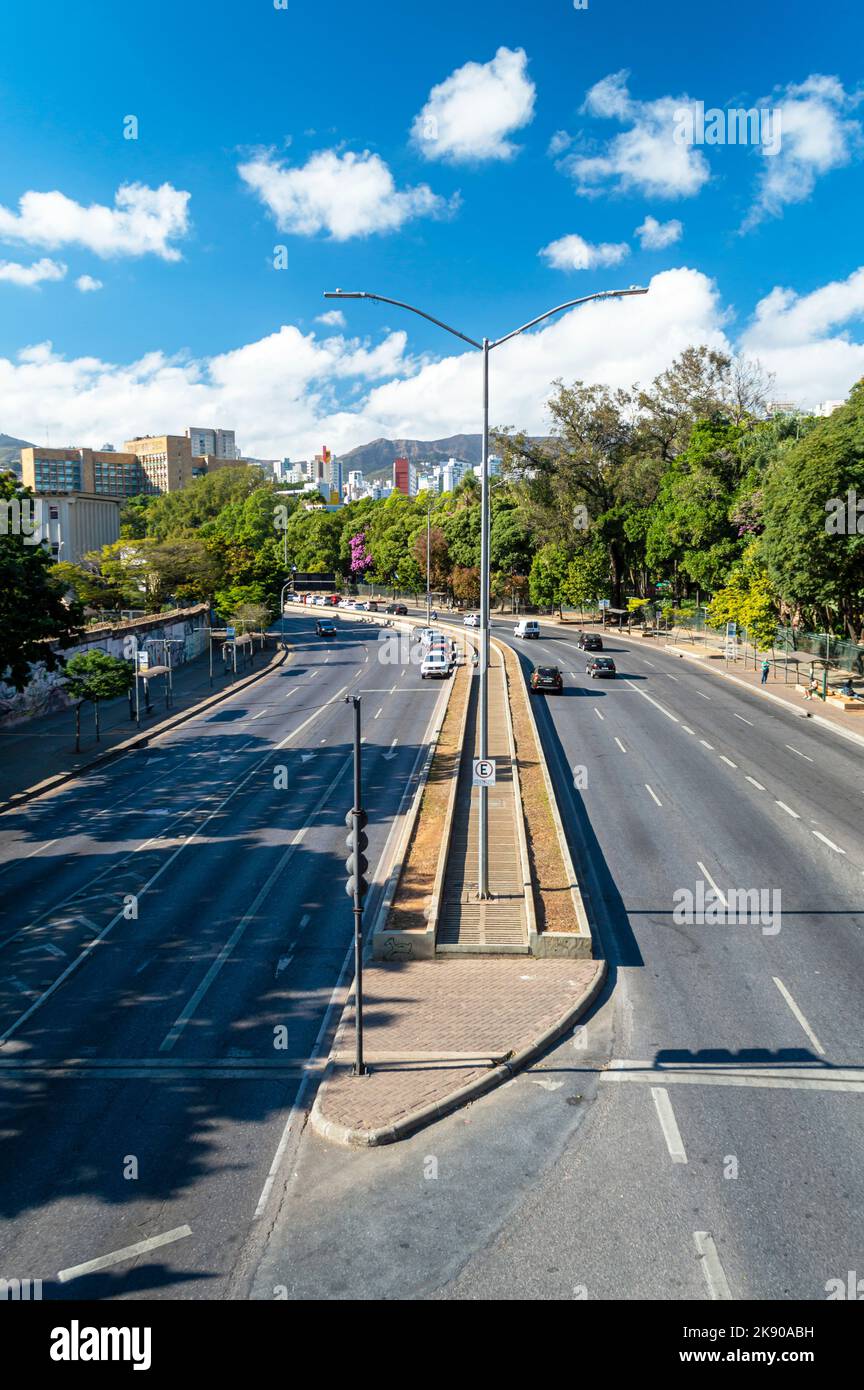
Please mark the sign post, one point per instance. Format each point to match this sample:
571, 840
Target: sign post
483, 772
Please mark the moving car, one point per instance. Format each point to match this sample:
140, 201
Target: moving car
325, 627
398, 608
590, 642
360, 607
601, 666
435, 663
334, 599
471, 620
547, 679
528, 627
372, 605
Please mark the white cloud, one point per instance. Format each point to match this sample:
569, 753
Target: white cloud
468, 117
86, 284
30, 275
643, 159
143, 221
560, 142
655, 236
816, 136
574, 253
333, 319
289, 392
347, 195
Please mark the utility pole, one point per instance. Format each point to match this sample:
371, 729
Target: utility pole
428, 557
357, 887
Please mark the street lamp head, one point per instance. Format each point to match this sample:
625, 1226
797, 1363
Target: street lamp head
344, 294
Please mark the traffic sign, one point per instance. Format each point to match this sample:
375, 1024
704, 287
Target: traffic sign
604, 603
484, 773
143, 661
230, 633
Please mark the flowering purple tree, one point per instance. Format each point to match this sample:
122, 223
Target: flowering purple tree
361, 559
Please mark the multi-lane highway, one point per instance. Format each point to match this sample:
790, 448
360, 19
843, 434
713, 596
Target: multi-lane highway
701, 1136
175, 946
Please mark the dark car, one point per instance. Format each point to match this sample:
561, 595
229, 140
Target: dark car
373, 605
590, 642
398, 608
548, 679
325, 627
601, 666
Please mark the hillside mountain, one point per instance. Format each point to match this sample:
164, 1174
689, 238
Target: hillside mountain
376, 459
10, 452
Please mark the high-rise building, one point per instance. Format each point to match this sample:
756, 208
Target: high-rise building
404, 477
220, 443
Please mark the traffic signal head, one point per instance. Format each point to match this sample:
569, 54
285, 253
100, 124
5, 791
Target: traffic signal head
356, 864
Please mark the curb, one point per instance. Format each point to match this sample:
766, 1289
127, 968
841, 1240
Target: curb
138, 740
464, 1095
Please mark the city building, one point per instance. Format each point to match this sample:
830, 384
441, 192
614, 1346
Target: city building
70, 526
826, 408
404, 477
220, 443
149, 464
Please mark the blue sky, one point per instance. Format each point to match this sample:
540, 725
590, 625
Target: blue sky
317, 104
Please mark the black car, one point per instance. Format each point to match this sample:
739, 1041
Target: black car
398, 608
547, 678
590, 642
601, 666
325, 627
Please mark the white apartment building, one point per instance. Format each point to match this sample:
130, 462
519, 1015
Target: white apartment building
221, 444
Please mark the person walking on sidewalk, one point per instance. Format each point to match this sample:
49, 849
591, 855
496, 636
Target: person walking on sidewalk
766, 667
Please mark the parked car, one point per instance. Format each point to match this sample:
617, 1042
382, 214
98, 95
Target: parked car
528, 627
334, 599
601, 666
398, 608
372, 605
471, 620
360, 606
591, 642
547, 679
325, 627
435, 663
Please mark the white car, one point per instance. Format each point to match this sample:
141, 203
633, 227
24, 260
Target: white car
435, 663
527, 628
471, 620
425, 635
360, 607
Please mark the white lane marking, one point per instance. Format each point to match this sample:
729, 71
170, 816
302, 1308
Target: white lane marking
291, 692
815, 1077
724, 759
743, 720
260, 714
649, 663
706, 874
788, 810
378, 715
798, 1014
673, 717
798, 751
129, 1252
715, 1278
312, 675
304, 921
392, 753
669, 1125
183, 1018
621, 745
706, 744
598, 714
755, 783
283, 963
826, 841
296, 1109
671, 677
651, 792
701, 696
688, 730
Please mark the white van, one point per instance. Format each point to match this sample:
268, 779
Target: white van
527, 628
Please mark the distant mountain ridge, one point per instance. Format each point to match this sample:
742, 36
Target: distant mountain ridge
376, 458
10, 452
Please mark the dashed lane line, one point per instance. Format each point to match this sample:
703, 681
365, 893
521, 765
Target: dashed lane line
621, 745
655, 703
787, 809
829, 843
129, 1252
798, 751
651, 792
743, 720
668, 1124
598, 714
756, 784
715, 1278
799, 1016
726, 760
706, 874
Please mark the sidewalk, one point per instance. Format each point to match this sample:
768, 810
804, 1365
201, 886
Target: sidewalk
38, 749
453, 1029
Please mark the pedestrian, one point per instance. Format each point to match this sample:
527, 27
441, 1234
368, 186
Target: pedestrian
766, 667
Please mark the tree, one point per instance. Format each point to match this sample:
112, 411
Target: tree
33, 611
816, 567
548, 576
95, 676
587, 576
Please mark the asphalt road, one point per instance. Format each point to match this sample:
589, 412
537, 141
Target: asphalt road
175, 947
701, 1135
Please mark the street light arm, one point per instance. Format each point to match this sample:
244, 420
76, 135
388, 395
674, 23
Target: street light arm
601, 294
382, 299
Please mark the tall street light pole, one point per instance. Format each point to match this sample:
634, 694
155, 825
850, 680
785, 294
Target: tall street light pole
428, 561
485, 347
